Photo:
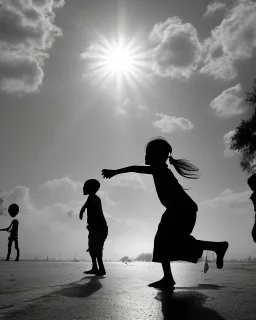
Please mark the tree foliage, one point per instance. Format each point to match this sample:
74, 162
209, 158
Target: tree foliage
244, 138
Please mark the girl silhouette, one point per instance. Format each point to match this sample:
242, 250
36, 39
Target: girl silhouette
173, 240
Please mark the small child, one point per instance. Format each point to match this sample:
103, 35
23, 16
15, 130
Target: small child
97, 226
13, 230
252, 184
173, 240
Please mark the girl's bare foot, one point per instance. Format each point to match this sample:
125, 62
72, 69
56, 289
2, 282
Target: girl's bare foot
221, 253
163, 283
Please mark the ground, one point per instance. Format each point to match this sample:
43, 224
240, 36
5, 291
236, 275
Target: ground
61, 291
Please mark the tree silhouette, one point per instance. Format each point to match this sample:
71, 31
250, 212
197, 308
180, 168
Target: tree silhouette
244, 138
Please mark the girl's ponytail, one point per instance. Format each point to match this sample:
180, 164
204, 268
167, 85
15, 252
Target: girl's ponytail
184, 168
160, 146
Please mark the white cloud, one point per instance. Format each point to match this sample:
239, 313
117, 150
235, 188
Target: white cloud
102, 194
233, 40
132, 180
178, 49
213, 7
128, 106
63, 182
229, 103
227, 138
228, 198
168, 124
21, 196
27, 31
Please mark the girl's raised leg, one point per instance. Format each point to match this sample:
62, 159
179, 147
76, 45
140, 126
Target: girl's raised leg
219, 248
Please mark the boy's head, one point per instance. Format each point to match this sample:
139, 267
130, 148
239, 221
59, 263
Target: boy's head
252, 182
91, 186
13, 210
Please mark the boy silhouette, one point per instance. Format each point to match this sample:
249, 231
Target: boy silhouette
96, 225
13, 230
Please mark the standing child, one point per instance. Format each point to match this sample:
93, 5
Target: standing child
252, 184
96, 225
13, 230
173, 240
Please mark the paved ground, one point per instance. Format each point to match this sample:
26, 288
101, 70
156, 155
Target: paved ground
64, 292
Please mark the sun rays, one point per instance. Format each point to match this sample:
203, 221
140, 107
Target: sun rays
116, 61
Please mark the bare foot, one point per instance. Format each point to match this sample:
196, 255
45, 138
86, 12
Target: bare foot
221, 253
92, 271
163, 283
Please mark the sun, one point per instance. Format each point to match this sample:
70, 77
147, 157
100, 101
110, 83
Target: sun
116, 60
120, 59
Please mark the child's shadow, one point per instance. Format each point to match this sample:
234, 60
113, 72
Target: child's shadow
82, 290
185, 305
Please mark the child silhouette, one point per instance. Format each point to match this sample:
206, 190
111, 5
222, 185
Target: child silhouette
96, 225
173, 240
13, 230
252, 184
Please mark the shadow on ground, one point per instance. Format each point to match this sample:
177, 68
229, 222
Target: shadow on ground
81, 290
185, 305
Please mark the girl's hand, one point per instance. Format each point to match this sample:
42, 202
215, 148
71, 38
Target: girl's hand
107, 173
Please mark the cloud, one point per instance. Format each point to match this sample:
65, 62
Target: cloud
233, 40
168, 124
213, 7
229, 103
178, 49
131, 180
128, 106
27, 32
228, 198
21, 196
65, 182
227, 139
102, 194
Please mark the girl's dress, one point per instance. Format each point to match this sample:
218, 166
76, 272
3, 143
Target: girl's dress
173, 240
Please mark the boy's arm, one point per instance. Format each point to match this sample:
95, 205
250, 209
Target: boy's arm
82, 210
7, 229
107, 173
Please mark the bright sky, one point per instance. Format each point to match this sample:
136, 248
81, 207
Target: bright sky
85, 84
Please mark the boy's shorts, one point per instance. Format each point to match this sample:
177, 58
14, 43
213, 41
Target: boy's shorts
11, 239
96, 239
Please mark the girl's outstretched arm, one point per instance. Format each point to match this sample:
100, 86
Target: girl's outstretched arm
107, 173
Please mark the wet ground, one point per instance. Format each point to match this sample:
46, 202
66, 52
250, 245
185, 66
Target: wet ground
60, 290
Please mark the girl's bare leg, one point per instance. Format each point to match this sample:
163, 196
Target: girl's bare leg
219, 248
167, 280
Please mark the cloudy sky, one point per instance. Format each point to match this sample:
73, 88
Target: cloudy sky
70, 106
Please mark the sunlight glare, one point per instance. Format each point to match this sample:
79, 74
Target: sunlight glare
119, 59
116, 60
